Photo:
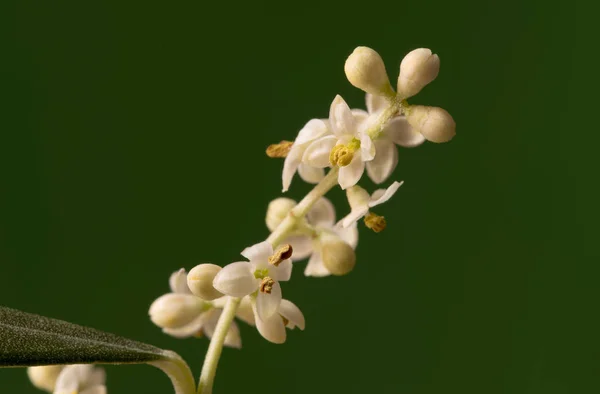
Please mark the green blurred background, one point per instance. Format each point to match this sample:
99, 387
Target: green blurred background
132, 144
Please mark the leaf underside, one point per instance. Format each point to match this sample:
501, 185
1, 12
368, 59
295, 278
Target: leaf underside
27, 339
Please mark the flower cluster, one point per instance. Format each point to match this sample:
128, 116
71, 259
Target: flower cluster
68, 379
197, 299
349, 141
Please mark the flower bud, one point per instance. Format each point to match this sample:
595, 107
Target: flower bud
277, 211
436, 124
44, 377
338, 257
417, 69
200, 280
365, 69
174, 310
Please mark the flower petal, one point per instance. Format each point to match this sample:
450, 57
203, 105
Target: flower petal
178, 282
322, 213
283, 272
382, 195
341, 119
360, 115
310, 174
233, 338
291, 312
190, 329
315, 266
380, 168
236, 279
312, 130
290, 165
317, 153
354, 215
267, 304
401, 132
375, 103
260, 251
367, 148
302, 246
272, 329
245, 312
347, 234
350, 174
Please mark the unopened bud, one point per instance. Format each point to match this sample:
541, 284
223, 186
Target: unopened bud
174, 310
436, 124
375, 222
200, 281
365, 69
417, 69
338, 257
44, 377
277, 211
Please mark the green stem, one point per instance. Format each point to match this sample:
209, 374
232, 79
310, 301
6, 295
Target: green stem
211, 360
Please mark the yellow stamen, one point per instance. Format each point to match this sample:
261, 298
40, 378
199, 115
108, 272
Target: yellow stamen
284, 252
279, 150
266, 285
375, 222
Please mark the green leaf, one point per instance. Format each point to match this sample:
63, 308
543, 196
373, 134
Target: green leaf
27, 339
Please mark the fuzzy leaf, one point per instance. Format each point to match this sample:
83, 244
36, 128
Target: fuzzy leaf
27, 339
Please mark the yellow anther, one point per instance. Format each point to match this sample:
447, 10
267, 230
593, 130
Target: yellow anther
285, 321
279, 150
266, 285
341, 155
199, 334
375, 222
284, 252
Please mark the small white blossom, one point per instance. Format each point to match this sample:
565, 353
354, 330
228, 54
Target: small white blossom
259, 275
397, 131
273, 328
360, 201
352, 147
182, 314
313, 130
81, 379
321, 218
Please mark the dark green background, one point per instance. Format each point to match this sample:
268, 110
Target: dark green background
132, 144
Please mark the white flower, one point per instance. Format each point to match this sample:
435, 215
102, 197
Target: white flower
273, 328
314, 129
243, 278
321, 218
81, 379
396, 131
360, 201
348, 147
182, 315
